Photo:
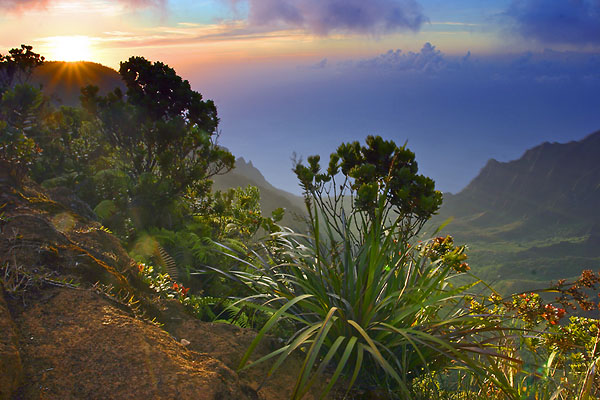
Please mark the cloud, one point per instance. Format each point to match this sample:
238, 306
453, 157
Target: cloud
23, 4
555, 66
557, 21
325, 16
548, 67
319, 65
429, 59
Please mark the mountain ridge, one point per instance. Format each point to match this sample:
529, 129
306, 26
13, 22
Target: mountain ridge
551, 180
534, 219
62, 81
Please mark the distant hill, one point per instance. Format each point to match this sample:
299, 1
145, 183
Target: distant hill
271, 197
534, 219
62, 81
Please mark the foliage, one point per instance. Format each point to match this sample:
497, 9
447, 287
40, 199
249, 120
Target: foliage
383, 314
162, 136
161, 282
202, 307
379, 173
360, 295
560, 359
17, 66
232, 218
72, 148
20, 113
162, 128
20, 107
236, 213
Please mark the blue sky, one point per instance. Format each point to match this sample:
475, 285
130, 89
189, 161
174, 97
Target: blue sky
460, 81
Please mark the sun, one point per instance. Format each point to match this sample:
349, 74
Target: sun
70, 48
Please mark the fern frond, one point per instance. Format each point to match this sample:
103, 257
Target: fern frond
166, 262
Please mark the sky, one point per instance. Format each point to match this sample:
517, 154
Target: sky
458, 81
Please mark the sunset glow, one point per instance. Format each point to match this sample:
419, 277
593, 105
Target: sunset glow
70, 48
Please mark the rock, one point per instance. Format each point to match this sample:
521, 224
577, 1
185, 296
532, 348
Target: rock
66, 197
77, 345
11, 371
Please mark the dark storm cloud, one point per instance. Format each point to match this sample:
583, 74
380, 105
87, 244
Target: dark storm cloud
557, 21
324, 16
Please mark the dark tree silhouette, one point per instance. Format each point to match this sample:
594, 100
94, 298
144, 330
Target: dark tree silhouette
17, 66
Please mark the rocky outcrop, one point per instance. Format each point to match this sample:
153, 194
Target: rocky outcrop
77, 344
77, 321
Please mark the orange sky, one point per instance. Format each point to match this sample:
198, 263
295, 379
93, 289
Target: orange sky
111, 31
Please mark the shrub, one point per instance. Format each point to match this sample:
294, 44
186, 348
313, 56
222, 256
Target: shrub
367, 304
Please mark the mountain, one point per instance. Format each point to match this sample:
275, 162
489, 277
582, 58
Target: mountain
534, 219
62, 81
271, 198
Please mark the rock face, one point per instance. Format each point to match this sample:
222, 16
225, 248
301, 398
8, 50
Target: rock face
75, 319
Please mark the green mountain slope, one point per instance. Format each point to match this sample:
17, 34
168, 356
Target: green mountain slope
271, 197
532, 220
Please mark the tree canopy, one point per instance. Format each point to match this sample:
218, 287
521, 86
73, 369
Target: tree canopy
380, 178
17, 66
161, 126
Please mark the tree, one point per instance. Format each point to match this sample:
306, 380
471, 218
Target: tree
161, 127
21, 106
17, 66
164, 138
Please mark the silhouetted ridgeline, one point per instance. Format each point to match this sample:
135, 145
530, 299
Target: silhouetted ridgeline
62, 81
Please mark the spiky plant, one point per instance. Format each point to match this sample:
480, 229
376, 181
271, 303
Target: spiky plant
367, 307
